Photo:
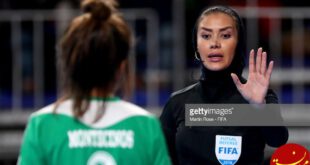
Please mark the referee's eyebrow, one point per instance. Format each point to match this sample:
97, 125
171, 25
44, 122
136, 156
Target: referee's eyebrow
221, 29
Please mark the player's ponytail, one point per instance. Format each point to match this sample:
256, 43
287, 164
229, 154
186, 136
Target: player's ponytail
92, 50
99, 9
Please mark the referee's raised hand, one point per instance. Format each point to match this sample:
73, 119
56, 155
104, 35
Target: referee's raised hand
255, 89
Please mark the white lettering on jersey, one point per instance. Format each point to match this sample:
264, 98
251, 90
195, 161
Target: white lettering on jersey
101, 138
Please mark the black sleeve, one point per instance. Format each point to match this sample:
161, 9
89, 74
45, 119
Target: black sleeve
274, 136
168, 122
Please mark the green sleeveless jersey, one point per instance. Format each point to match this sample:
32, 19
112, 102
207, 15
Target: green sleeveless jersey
125, 134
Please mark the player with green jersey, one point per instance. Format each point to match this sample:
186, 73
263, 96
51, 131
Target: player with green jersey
89, 125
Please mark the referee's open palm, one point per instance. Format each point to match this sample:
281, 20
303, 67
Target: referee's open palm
255, 89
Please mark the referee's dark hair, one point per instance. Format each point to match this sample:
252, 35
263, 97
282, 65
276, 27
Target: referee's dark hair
93, 50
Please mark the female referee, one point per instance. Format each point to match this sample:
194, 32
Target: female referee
218, 39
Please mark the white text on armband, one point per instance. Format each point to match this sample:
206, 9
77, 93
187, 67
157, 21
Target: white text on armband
101, 138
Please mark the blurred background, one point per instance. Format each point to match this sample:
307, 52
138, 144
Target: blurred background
163, 59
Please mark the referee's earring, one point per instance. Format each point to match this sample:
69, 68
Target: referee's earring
196, 57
